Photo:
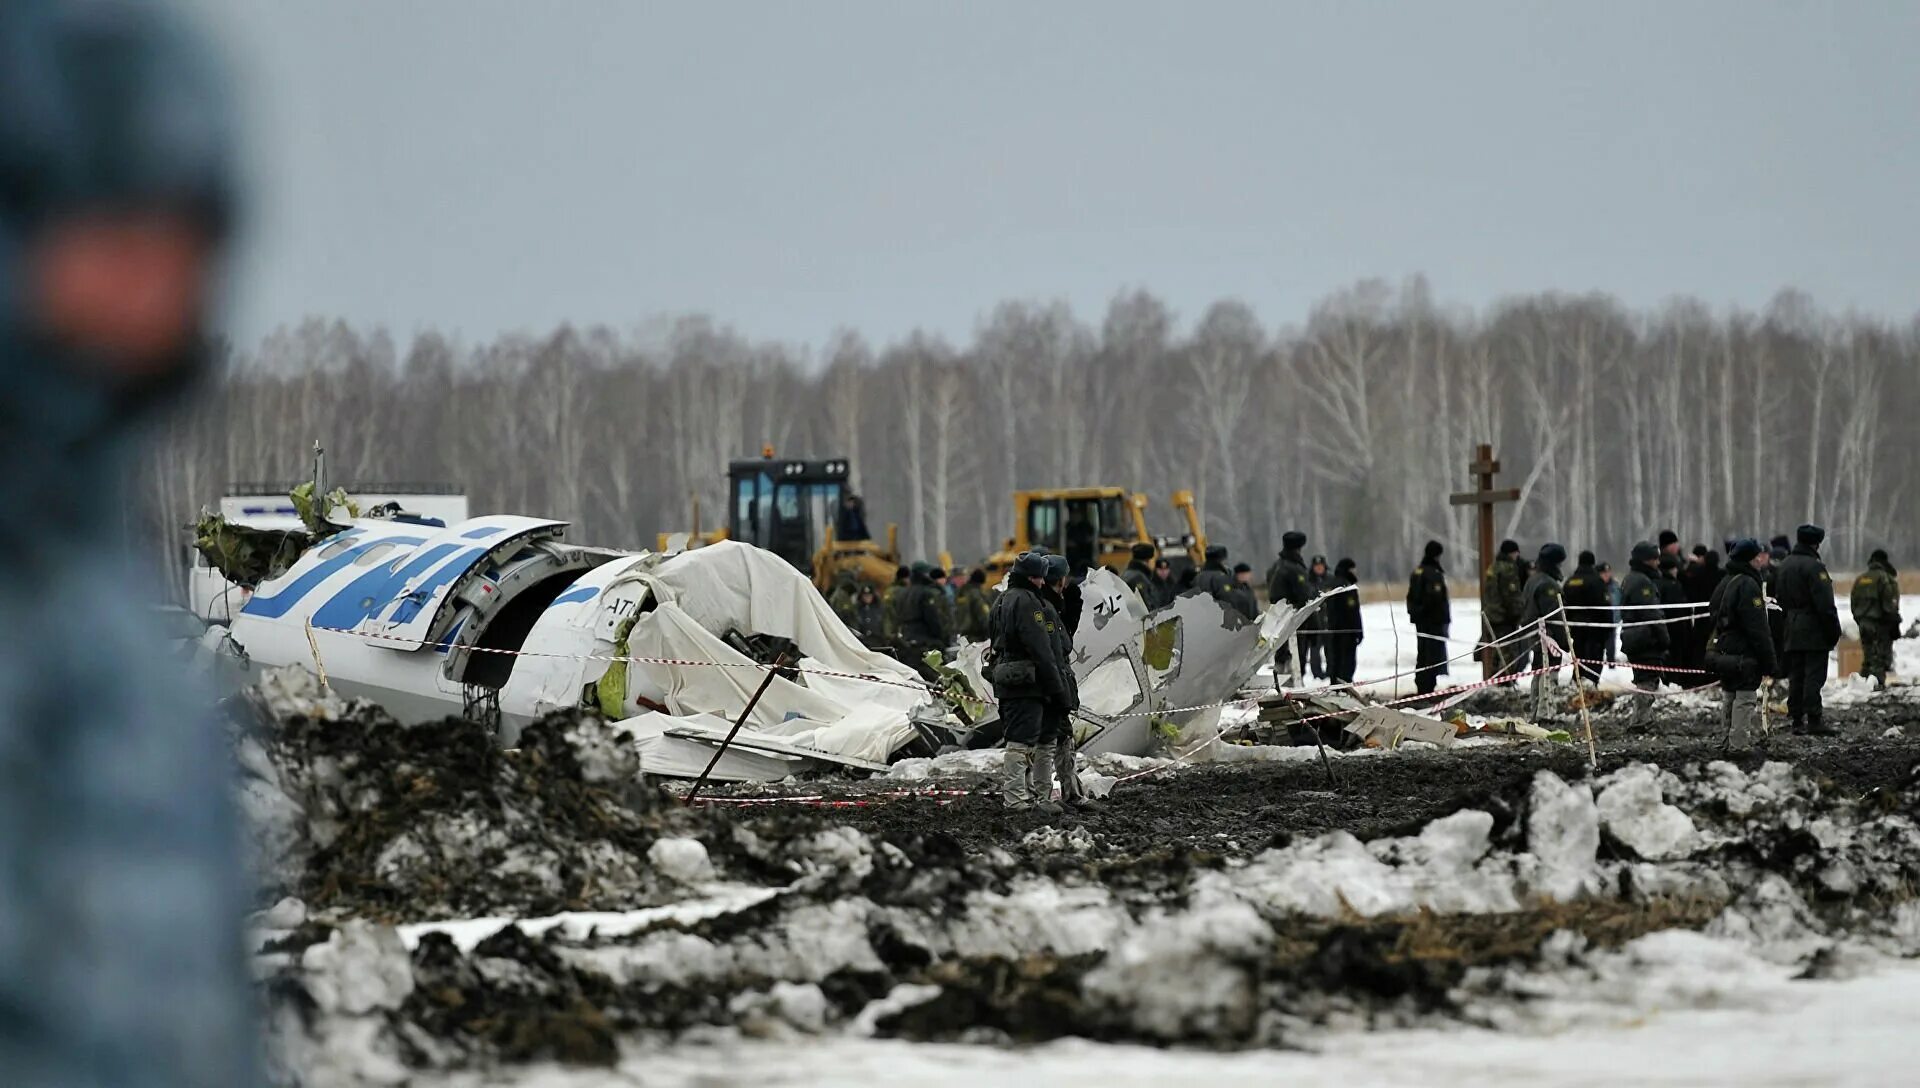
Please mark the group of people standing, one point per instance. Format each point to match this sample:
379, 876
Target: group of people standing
923, 609
1768, 613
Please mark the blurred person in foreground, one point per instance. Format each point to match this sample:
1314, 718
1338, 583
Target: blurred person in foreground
121, 958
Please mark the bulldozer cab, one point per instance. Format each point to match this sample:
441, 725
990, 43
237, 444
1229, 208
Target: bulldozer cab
1089, 526
787, 507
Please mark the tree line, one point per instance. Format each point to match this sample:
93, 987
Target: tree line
1353, 425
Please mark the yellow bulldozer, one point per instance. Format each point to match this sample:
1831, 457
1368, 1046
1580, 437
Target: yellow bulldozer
792, 508
1096, 527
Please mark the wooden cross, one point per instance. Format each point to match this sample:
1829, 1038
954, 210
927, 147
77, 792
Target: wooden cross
1484, 466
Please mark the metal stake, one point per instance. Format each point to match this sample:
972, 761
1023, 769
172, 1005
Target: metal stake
773, 670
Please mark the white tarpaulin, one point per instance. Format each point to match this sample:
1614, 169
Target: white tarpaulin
705, 593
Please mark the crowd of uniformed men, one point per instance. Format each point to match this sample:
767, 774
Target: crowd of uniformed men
1766, 614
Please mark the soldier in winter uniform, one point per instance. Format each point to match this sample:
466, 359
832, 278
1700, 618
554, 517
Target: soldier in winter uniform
1056, 737
1287, 581
1025, 672
1742, 644
1214, 578
121, 892
1240, 594
1543, 612
1645, 637
1673, 598
1876, 608
1345, 625
1313, 637
1139, 574
1805, 593
869, 615
1432, 616
894, 600
970, 606
1589, 611
1500, 604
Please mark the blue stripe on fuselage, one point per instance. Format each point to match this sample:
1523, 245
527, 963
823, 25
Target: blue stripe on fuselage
279, 604
483, 532
376, 589
584, 593
424, 592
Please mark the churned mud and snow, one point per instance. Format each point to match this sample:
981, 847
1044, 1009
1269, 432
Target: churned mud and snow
437, 911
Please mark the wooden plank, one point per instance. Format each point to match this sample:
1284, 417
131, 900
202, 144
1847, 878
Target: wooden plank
1484, 467
1475, 498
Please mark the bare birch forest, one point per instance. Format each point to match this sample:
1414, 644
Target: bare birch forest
1353, 425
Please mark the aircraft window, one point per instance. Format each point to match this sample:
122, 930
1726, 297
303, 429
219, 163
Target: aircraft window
339, 545
376, 553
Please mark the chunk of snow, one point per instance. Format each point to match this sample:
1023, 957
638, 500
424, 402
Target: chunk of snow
1634, 811
684, 860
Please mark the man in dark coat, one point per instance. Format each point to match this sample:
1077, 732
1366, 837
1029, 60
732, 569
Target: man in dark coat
1700, 577
923, 618
1287, 581
971, 604
851, 521
1056, 736
1345, 625
1768, 565
1543, 612
1876, 608
1500, 604
1214, 578
1644, 636
1431, 614
1240, 594
1589, 614
1139, 573
1165, 586
1805, 592
1743, 649
869, 616
1026, 676
1673, 596
1313, 638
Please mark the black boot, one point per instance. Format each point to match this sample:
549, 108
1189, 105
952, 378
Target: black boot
1817, 727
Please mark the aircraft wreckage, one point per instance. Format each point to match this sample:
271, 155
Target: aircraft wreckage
499, 618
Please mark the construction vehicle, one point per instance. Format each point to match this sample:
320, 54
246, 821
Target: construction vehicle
1096, 527
791, 508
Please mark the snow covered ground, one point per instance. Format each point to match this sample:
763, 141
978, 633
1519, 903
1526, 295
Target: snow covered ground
1754, 1028
1390, 646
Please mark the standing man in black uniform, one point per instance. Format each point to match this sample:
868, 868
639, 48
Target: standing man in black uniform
1214, 579
1587, 603
1287, 581
1543, 612
1805, 593
1644, 637
1056, 738
1432, 616
1025, 671
1139, 574
1673, 596
1240, 594
1313, 637
1742, 650
1345, 625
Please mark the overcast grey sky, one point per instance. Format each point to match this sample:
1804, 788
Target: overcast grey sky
480, 165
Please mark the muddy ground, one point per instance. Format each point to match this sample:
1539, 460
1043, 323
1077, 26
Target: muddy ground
1233, 809
1163, 917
